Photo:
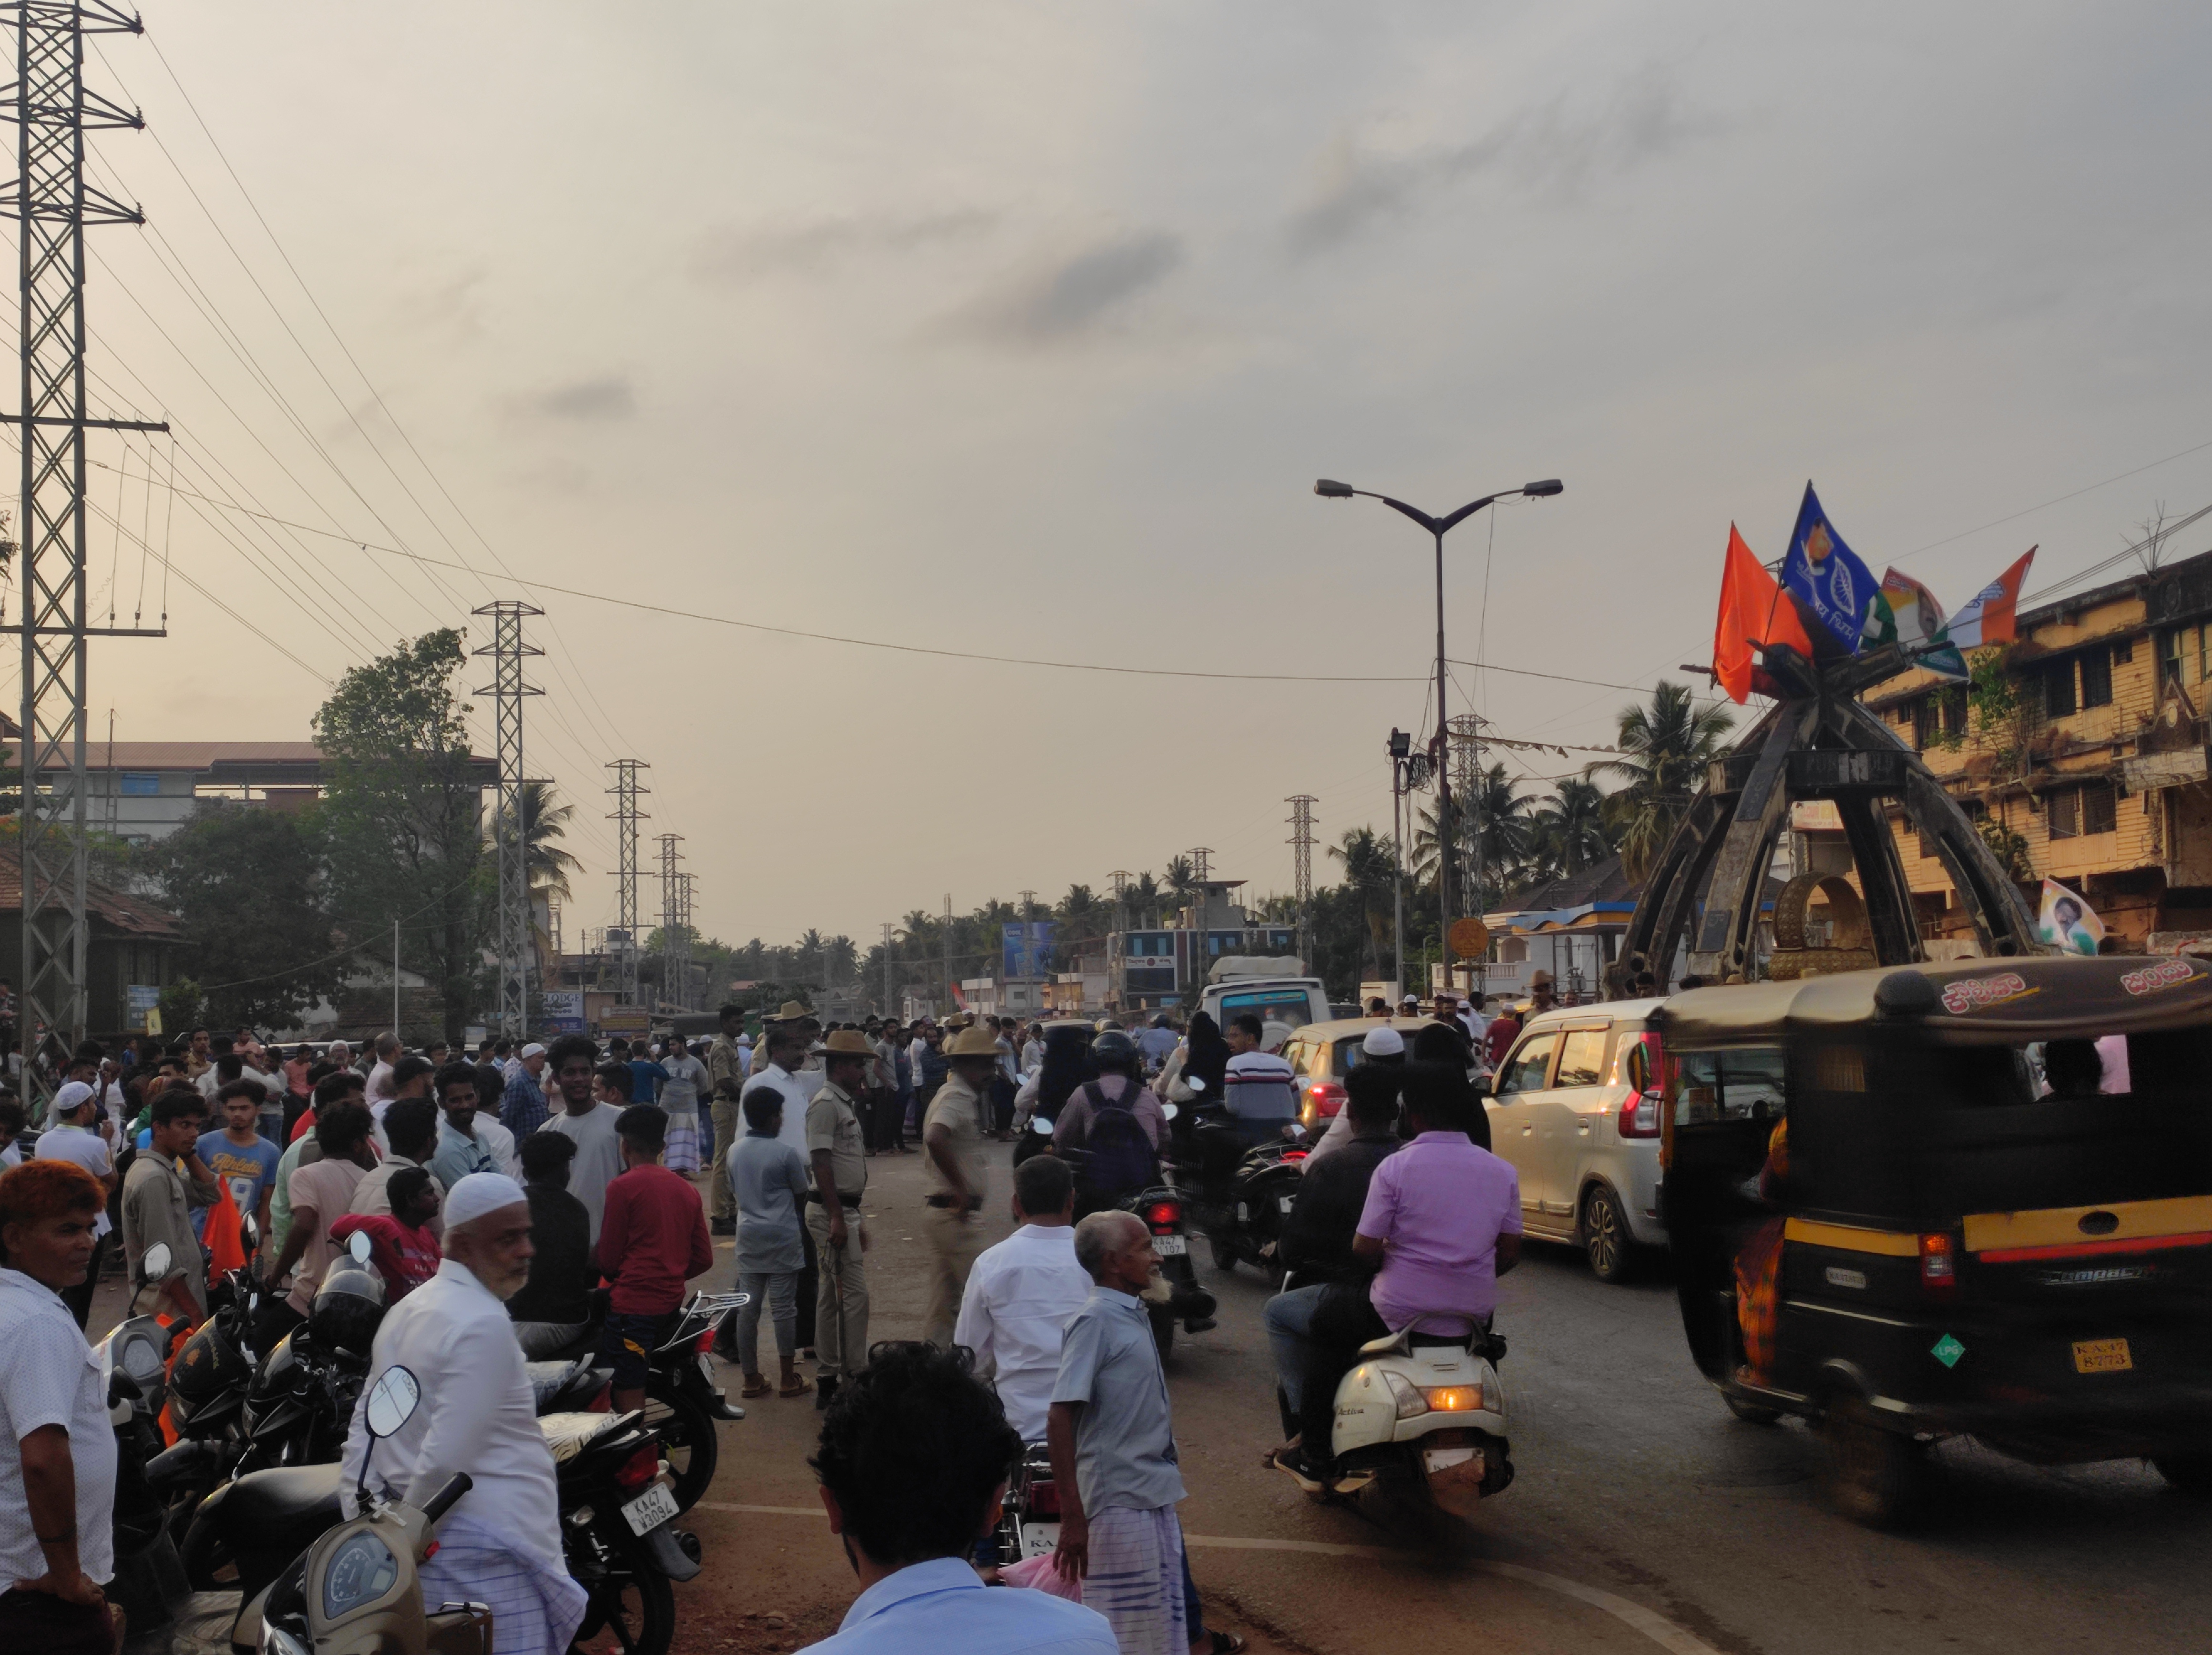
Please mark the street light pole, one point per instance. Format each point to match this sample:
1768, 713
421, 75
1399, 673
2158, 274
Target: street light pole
1327, 488
1402, 747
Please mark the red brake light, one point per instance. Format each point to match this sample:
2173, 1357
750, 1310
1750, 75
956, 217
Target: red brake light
640, 1469
1163, 1214
1938, 1264
705, 1342
1044, 1499
1328, 1098
1296, 1155
1639, 1115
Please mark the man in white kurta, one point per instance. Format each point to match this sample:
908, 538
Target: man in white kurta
501, 1542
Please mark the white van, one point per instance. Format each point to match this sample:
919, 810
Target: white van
1289, 1001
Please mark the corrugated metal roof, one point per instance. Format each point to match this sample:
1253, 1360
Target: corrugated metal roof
105, 905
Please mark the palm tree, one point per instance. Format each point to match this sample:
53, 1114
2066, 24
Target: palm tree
1182, 879
1503, 813
1568, 834
1144, 899
544, 864
1665, 747
840, 960
1370, 868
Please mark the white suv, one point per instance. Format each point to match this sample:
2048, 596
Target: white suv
1575, 1108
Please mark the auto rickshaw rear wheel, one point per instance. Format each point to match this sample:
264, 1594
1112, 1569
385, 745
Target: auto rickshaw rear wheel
1873, 1476
2191, 1474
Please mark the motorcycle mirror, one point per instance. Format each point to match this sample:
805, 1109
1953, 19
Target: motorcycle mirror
1039, 1125
249, 1232
1169, 1110
390, 1401
1197, 1083
357, 1245
154, 1263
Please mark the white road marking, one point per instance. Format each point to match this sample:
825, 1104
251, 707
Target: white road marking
1653, 1625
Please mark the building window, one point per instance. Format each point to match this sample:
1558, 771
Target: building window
140, 785
1924, 723
2169, 659
2064, 810
2097, 676
1953, 703
2100, 808
2058, 690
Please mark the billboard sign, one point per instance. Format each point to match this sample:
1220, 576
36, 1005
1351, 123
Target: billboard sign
1027, 949
561, 1011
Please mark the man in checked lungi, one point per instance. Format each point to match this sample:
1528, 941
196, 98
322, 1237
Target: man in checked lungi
1113, 1446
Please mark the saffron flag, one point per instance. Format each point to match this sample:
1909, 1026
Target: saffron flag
1991, 615
2066, 919
1826, 576
1752, 612
226, 1250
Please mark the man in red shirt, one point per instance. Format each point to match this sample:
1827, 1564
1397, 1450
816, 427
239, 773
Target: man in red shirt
653, 1239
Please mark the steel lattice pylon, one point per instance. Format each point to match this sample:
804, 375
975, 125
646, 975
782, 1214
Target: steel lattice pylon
1301, 831
671, 908
626, 816
683, 952
510, 1003
49, 197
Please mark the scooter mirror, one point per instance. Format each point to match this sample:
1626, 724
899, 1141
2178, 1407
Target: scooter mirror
390, 1401
249, 1232
357, 1245
1196, 1082
1039, 1125
1169, 1110
154, 1263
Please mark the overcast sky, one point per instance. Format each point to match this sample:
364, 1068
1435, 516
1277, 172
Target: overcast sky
1023, 329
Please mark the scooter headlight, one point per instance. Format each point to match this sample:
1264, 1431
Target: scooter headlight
361, 1571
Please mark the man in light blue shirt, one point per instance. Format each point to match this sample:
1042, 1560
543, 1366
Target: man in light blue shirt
910, 1504
1112, 1441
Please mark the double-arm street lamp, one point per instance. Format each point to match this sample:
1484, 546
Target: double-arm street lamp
1437, 527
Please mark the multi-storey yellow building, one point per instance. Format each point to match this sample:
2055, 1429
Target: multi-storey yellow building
2095, 771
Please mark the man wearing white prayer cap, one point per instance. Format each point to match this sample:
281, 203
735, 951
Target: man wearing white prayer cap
501, 1544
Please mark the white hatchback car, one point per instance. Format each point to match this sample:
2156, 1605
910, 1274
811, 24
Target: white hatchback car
1575, 1108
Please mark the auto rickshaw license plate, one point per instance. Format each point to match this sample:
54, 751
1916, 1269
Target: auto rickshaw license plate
2102, 1356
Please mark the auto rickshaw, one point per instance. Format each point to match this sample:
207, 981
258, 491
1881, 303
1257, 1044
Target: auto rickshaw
1970, 1198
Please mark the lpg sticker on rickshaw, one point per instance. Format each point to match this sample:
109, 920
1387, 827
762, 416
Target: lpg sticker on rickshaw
2102, 1356
1947, 1350
1980, 993
2151, 978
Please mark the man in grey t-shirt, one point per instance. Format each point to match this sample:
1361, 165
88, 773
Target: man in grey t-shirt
573, 1062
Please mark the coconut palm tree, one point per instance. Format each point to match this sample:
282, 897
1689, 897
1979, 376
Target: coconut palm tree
1568, 834
1665, 746
1182, 879
1370, 868
1504, 812
545, 864
1144, 895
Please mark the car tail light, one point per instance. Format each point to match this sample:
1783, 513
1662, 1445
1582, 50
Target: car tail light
1639, 1115
1328, 1098
1044, 1498
1163, 1214
704, 1344
1938, 1264
640, 1469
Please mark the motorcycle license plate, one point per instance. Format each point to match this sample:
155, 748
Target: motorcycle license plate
1040, 1539
1439, 1459
2102, 1356
1170, 1246
1285, 1203
649, 1510
706, 1369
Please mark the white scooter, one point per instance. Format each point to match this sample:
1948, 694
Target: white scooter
1421, 1421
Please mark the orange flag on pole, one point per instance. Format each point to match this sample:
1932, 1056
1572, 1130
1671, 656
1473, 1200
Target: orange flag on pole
225, 1250
1753, 611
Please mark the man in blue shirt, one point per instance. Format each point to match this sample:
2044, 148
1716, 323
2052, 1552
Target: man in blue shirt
237, 1154
523, 1108
913, 1460
1113, 1446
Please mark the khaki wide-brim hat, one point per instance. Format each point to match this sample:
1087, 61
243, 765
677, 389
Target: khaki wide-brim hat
972, 1043
792, 1012
848, 1043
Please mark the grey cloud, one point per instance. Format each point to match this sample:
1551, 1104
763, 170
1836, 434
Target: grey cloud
1546, 149
607, 397
732, 256
1076, 293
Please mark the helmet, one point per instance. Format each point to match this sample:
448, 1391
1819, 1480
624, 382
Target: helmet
347, 1309
1114, 1053
210, 1364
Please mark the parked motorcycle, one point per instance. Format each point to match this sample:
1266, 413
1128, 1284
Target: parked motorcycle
148, 1583
682, 1400
1029, 1518
618, 1510
355, 1587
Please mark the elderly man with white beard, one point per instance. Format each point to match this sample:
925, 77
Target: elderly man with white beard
501, 1542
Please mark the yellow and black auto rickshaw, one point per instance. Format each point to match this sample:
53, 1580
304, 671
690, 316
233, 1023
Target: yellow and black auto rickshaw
1972, 1198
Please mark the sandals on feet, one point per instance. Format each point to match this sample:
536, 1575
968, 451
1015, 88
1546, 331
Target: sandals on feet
754, 1388
799, 1385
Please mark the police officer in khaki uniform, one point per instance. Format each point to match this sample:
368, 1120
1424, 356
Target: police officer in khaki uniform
726, 1074
952, 1160
837, 1151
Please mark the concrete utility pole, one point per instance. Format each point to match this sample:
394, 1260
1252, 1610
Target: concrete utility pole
626, 816
1301, 841
52, 111
888, 1010
510, 1000
951, 981
669, 904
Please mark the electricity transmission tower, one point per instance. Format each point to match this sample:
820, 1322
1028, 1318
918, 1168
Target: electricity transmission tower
1199, 870
52, 111
683, 933
1466, 748
671, 907
626, 816
1302, 834
511, 1005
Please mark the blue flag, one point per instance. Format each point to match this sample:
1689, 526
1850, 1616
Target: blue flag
1826, 577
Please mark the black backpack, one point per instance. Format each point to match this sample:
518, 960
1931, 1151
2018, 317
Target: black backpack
1123, 1158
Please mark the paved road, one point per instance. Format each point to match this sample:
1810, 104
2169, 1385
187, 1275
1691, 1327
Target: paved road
1681, 1527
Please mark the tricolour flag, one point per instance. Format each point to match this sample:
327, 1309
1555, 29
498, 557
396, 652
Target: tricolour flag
1825, 577
2067, 919
1991, 615
1906, 614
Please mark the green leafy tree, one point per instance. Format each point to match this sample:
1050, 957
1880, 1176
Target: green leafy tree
247, 883
404, 816
1568, 831
1665, 746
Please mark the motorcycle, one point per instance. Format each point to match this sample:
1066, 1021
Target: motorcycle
1028, 1517
682, 1400
356, 1585
1238, 1196
1420, 1424
1175, 1294
148, 1583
